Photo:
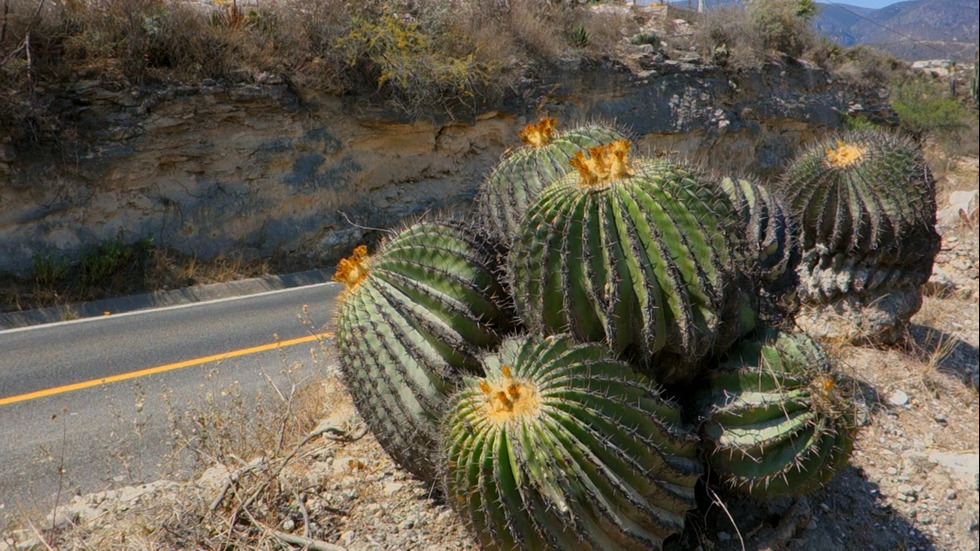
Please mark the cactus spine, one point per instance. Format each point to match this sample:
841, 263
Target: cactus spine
633, 252
414, 316
520, 177
563, 447
775, 421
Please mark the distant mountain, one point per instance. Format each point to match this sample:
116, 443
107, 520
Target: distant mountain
917, 29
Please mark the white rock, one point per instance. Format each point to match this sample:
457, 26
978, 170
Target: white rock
898, 398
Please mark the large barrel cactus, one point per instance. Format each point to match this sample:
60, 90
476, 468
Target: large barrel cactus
866, 210
636, 253
561, 446
414, 317
774, 419
525, 171
772, 250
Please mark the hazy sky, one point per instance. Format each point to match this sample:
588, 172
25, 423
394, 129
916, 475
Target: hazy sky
867, 3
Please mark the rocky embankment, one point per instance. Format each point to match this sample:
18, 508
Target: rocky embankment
265, 169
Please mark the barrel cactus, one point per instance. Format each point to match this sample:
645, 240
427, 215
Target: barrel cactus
636, 253
561, 446
413, 318
527, 170
865, 206
772, 250
774, 418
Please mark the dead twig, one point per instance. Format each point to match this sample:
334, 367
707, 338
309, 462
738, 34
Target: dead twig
304, 512
40, 538
232, 481
25, 43
717, 501
291, 539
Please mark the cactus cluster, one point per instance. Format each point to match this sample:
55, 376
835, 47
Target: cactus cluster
568, 383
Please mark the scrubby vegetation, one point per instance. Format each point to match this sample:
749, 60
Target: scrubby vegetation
118, 267
413, 53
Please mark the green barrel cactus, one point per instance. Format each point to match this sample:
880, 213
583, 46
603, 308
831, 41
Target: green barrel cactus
413, 318
865, 207
774, 419
561, 446
637, 253
524, 172
772, 250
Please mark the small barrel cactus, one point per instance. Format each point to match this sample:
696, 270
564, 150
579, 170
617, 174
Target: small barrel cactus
525, 171
414, 317
563, 447
635, 253
774, 418
772, 250
865, 207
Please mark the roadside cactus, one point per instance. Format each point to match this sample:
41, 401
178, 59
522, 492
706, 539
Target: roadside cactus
561, 446
636, 253
414, 317
866, 210
525, 171
775, 421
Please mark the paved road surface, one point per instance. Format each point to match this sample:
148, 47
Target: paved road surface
62, 425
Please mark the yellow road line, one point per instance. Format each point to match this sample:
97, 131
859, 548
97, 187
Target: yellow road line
158, 369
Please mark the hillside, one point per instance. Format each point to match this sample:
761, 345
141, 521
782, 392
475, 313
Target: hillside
918, 29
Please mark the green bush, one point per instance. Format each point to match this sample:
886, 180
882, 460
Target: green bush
924, 105
48, 271
114, 257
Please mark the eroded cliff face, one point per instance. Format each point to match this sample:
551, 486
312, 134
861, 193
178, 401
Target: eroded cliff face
261, 170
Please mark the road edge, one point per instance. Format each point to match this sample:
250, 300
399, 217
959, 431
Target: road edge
160, 299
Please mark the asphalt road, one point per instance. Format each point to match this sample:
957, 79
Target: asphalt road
88, 404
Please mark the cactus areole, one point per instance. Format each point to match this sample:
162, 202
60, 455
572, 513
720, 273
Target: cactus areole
351, 271
510, 399
844, 154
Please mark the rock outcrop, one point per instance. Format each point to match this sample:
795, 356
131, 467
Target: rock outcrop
264, 169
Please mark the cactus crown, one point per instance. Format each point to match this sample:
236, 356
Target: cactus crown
604, 165
539, 134
845, 154
509, 398
351, 271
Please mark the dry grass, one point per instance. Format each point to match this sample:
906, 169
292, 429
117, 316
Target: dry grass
741, 37
412, 53
55, 282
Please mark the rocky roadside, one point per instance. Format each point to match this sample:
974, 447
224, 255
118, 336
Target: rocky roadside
912, 482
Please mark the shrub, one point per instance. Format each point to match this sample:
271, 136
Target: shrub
741, 36
414, 65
